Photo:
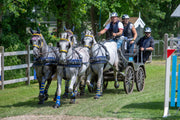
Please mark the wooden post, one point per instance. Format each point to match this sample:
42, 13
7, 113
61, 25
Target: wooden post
2, 66
171, 42
165, 45
28, 65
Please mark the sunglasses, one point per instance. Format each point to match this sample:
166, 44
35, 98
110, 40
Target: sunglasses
147, 33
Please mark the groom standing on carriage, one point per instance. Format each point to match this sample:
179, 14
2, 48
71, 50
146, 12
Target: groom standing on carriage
114, 29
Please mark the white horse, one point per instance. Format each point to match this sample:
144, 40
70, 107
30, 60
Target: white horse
103, 57
74, 62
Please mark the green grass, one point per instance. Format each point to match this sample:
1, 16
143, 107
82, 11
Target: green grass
148, 104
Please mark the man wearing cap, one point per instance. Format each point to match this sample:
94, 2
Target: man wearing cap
129, 32
115, 29
146, 44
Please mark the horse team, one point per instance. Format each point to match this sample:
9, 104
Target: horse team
72, 63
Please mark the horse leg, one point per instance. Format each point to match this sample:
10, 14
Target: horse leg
99, 84
76, 86
73, 97
46, 88
116, 83
59, 81
41, 93
82, 85
89, 77
65, 95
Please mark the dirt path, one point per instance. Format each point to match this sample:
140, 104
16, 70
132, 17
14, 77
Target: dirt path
59, 117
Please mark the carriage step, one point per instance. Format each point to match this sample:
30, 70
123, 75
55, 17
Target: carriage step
106, 78
112, 74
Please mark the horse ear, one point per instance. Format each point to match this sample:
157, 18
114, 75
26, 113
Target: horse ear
92, 32
32, 32
73, 29
38, 30
65, 28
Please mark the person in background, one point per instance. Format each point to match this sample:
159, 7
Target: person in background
114, 28
129, 32
146, 45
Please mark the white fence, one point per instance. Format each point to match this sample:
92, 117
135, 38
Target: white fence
3, 68
158, 45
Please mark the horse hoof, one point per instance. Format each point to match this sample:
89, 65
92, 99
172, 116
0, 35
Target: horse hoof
96, 97
41, 102
56, 106
90, 89
72, 101
82, 94
65, 95
46, 97
116, 85
78, 94
54, 99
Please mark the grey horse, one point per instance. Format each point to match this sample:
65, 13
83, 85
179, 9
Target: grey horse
103, 57
45, 63
73, 63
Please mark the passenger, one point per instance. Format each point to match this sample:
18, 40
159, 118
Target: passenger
146, 45
129, 32
115, 29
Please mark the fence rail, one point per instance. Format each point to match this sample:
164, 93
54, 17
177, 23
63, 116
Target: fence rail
3, 68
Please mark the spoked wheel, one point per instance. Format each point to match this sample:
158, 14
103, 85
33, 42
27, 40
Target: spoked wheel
140, 77
129, 79
94, 84
105, 84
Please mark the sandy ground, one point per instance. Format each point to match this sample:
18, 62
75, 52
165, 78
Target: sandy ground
59, 117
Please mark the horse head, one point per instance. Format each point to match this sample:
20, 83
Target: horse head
65, 46
70, 33
37, 42
88, 39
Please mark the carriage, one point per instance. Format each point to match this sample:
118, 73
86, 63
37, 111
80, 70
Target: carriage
131, 71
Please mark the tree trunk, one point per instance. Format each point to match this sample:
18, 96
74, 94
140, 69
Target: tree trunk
68, 15
59, 26
1, 14
93, 20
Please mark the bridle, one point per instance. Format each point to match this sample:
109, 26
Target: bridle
92, 39
37, 46
71, 33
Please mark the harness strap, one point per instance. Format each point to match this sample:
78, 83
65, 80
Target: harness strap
89, 36
107, 54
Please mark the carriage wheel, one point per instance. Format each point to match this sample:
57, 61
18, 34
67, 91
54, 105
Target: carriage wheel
140, 77
105, 84
94, 83
129, 79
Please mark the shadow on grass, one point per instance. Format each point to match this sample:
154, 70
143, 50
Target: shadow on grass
33, 102
146, 105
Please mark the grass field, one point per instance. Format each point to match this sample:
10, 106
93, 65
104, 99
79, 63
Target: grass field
22, 100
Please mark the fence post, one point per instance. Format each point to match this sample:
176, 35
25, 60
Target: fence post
171, 42
28, 64
165, 45
2, 66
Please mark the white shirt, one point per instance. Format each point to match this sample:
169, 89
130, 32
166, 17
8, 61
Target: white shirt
120, 26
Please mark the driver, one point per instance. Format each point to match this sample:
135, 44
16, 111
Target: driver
114, 28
